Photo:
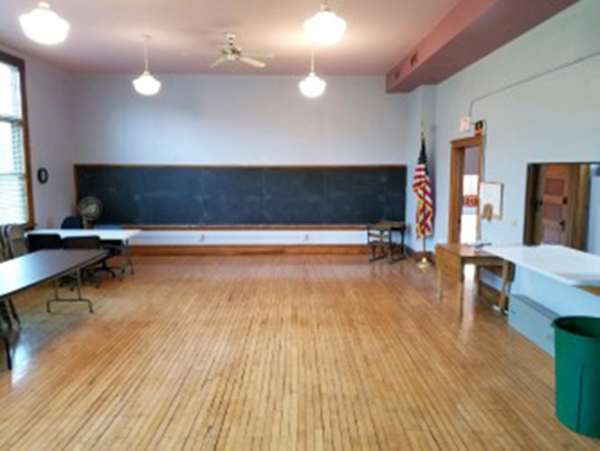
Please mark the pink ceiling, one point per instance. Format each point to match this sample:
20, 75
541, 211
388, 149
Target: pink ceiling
105, 34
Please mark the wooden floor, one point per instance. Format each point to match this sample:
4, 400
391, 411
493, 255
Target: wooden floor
274, 352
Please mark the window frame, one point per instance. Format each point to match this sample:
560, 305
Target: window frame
19, 63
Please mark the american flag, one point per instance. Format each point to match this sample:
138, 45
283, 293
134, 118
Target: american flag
422, 189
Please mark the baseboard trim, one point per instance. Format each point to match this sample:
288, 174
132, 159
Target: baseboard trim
249, 250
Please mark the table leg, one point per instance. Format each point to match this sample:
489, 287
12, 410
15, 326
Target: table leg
507, 275
440, 282
5, 314
127, 258
461, 296
477, 282
79, 297
7, 351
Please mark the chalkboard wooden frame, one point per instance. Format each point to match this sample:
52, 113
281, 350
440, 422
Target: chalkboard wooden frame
79, 168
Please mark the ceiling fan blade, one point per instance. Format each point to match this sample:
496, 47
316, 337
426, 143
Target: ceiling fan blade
252, 62
219, 61
259, 55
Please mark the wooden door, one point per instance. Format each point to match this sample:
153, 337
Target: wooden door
557, 200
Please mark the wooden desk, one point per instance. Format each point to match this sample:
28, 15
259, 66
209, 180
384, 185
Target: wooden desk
451, 260
380, 240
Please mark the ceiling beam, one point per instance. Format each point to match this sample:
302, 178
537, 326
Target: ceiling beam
472, 30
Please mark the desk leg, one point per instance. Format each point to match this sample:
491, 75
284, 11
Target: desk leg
440, 282
477, 282
461, 295
507, 275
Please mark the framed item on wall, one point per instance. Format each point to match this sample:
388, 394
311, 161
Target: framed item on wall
490, 198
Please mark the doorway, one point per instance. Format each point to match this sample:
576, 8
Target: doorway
469, 221
466, 164
557, 204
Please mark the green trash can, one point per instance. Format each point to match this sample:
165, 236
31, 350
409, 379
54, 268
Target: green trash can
577, 354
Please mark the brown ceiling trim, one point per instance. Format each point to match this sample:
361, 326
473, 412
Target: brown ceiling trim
472, 30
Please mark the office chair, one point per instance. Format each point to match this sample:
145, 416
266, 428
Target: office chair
39, 241
89, 242
115, 248
72, 222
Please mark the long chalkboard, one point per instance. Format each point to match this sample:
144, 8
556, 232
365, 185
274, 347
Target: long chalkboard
233, 196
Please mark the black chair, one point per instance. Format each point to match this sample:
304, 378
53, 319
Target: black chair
72, 222
89, 242
39, 241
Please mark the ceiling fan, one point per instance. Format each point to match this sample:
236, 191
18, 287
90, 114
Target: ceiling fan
231, 52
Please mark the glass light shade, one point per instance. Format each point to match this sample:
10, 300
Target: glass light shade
44, 26
312, 86
146, 84
325, 27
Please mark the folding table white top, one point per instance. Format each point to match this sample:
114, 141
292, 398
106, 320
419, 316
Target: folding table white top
563, 264
103, 234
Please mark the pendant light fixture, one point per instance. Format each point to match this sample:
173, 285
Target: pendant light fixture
146, 84
325, 27
44, 26
312, 86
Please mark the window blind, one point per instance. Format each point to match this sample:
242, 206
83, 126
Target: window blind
13, 177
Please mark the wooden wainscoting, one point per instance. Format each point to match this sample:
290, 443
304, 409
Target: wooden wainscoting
250, 250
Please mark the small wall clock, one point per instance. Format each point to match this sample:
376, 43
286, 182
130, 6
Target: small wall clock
42, 175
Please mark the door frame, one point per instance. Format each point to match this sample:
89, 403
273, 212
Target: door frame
458, 148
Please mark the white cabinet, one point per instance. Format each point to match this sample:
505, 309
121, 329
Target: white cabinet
532, 320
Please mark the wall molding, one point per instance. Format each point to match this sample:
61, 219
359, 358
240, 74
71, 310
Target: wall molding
279, 249
251, 250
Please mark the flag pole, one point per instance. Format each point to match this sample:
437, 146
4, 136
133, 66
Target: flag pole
424, 263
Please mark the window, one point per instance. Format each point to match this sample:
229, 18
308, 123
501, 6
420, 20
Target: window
15, 186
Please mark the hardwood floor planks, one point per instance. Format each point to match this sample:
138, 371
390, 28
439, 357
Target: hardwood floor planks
291, 352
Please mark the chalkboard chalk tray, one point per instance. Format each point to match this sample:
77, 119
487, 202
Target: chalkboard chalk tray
191, 196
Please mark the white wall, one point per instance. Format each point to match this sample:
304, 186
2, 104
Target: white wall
262, 120
237, 120
50, 130
554, 118
421, 107
549, 119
